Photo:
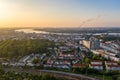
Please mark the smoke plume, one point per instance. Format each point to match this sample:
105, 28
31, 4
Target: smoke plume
89, 20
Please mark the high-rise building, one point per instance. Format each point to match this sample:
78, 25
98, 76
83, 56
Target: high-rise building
86, 43
92, 43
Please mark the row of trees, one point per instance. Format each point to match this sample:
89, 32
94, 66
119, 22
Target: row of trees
19, 48
26, 76
90, 71
93, 71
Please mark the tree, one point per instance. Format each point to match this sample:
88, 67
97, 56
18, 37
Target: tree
94, 57
46, 77
36, 60
16, 48
1, 71
119, 62
87, 60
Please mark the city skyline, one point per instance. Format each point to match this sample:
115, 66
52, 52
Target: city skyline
59, 13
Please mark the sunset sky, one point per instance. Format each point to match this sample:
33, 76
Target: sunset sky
59, 13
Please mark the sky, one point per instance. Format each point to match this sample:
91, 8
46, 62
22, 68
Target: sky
59, 13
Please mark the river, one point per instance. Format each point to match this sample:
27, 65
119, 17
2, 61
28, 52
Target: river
45, 32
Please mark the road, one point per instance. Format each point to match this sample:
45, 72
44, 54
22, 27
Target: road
79, 76
69, 76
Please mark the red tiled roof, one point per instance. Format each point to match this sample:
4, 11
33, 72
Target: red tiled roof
111, 61
96, 60
47, 64
113, 65
96, 65
79, 65
59, 65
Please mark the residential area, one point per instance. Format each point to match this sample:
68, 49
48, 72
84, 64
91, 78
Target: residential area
73, 51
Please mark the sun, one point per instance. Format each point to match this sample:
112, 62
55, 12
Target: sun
4, 10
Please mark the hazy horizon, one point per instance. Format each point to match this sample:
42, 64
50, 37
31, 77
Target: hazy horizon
59, 13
